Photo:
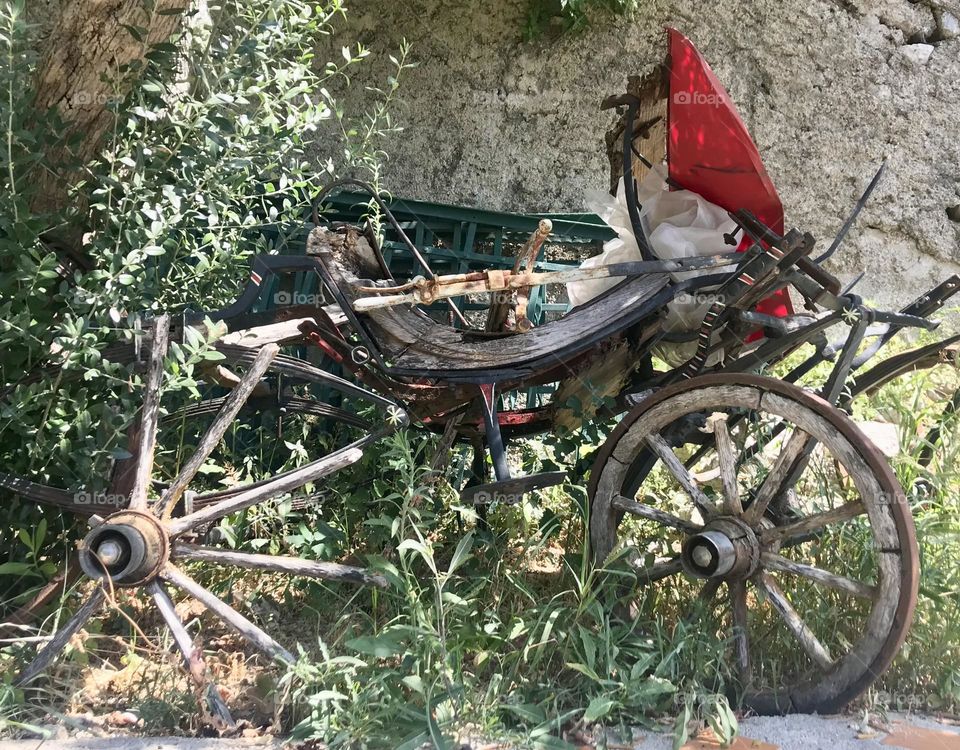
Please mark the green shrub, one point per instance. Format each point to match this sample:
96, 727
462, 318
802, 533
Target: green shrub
210, 159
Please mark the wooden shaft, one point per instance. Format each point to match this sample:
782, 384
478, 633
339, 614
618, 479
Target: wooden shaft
147, 434
279, 564
741, 629
654, 514
774, 561
665, 453
454, 286
812, 523
659, 570
728, 464
225, 612
235, 401
283, 484
801, 631
49, 653
192, 657
772, 485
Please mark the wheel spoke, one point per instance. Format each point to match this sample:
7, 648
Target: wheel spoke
658, 570
192, 657
801, 631
728, 464
49, 653
41, 493
826, 578
772, 485
235, 401
279, 485
665, 453
741, 631
811, 523
228, 614
279, 564
654, 514
147, 433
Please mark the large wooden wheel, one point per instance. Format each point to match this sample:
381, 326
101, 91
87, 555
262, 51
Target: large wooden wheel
148, 526
788, 540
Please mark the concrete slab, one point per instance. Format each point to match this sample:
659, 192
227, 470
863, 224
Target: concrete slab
799, 732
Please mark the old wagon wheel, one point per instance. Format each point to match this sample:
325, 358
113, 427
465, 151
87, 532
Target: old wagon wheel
800, 560
145, 544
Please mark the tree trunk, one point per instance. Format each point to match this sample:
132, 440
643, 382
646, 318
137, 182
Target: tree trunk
80, 72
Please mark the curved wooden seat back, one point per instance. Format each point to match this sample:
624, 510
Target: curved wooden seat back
414, 345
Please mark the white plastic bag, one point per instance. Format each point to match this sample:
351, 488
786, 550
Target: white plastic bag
621, 249
677, 224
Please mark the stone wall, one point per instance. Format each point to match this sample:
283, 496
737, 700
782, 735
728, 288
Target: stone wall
828, 89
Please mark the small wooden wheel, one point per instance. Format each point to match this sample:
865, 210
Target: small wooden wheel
788, 538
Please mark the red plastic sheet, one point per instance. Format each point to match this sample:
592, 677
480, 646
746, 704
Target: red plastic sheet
710, 151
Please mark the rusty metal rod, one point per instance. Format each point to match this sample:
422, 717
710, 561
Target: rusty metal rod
496, 281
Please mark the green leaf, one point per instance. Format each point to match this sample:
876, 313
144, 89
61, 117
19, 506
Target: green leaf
462, 553
681, 727
528, 712
381, 646
16, 569
599, 707
414, 742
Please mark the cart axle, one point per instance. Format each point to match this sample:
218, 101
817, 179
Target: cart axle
726, 548
129, 548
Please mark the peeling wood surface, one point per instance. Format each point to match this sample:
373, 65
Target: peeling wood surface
417, 343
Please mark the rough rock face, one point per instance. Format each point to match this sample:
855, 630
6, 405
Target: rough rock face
828, 90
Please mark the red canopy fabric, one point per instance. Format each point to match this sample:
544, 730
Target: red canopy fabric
710, 151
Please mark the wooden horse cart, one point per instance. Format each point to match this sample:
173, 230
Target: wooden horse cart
756, 501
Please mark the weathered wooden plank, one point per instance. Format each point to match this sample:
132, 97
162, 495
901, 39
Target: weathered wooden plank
279, 564
283, 332
211, 438
150, 415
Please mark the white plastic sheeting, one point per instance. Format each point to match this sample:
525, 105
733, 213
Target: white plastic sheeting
677, 224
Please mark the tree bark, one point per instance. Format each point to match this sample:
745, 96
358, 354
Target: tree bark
80, 72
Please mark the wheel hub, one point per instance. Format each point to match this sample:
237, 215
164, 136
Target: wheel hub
129, 548
725, 548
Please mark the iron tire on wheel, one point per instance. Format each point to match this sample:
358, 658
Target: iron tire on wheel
632, 451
